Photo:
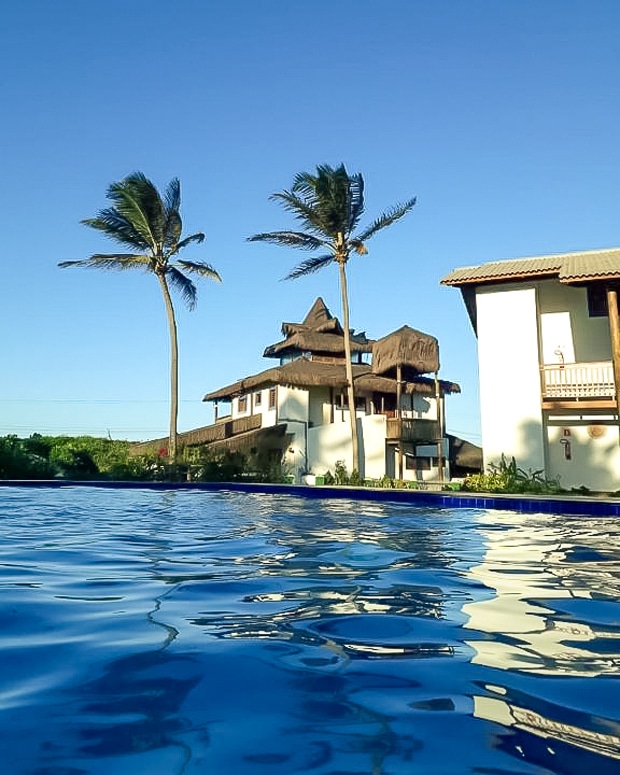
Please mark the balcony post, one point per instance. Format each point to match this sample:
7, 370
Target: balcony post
399, 377
614, 330
439, 409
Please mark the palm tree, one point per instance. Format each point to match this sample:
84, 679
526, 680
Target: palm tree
150, 226
329, 205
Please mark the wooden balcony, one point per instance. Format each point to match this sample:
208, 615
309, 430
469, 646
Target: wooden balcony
578, 385
408, 430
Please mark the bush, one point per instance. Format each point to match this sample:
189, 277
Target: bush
18, 462
340, 473
506, 476
355, 480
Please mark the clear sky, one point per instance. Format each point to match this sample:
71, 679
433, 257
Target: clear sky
501, 117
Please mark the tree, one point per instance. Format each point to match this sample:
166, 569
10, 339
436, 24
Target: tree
150, 226
329, 205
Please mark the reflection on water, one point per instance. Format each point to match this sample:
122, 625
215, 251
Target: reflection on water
555, 611
556, 587
189, 632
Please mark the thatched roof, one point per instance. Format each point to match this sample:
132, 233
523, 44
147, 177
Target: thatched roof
414, 351
306, 373
464, 455
319, 318
316, 342
319, 332
273, 438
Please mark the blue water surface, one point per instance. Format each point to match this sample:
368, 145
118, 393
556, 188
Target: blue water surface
225, 633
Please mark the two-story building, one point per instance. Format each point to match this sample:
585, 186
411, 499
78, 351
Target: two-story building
298, 411
549, 362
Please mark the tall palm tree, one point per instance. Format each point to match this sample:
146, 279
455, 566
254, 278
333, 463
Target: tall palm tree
150, 226
329, 205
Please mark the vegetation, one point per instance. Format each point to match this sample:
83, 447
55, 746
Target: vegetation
342, 478
150, 226
48, 457
97, 459
506, 476
329, 205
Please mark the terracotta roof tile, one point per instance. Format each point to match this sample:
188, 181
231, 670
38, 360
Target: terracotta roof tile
568, 267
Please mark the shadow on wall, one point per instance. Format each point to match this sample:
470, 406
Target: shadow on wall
576, 453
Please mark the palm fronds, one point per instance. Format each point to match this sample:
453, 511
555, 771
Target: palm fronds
137, 200
309, 266
200, 268
294, 239
142, 219
198, 237
329, 203
387, 219
183, 285
118, 261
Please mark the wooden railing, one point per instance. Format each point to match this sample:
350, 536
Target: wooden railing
402, 429
578, 380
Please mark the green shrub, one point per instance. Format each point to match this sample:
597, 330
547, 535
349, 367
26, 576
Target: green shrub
340, 473
18, 462
355, 479
506, 476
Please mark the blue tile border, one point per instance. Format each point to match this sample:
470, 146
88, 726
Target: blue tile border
575, 505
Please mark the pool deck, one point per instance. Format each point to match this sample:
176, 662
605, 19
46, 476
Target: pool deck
546, 504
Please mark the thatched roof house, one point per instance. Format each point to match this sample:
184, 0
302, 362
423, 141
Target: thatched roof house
320, 334
297, 413
412, 351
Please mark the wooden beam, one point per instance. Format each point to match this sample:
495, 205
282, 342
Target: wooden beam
579, 406
439, 411
399, 377
614, 330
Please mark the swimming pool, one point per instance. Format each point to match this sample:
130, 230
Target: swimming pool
153, 631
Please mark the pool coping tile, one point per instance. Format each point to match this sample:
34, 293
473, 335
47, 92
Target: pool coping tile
573, 505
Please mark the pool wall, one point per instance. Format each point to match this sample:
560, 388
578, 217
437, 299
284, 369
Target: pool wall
547, 504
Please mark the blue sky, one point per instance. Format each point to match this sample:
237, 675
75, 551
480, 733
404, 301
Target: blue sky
501, 117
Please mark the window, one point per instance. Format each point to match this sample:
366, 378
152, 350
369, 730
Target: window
420, 463
242, 404
258, 398
597, 301
272, 398
341, 401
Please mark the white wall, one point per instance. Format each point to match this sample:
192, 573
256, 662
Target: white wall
320, 406
565, 320
510, 412
594, 450
292, 404
330, 443
269, 416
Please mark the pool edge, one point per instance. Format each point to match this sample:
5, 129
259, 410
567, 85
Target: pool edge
548, 504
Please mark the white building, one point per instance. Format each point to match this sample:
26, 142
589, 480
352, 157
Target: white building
549, 363
297, 411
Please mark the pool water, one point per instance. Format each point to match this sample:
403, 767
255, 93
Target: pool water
181, 632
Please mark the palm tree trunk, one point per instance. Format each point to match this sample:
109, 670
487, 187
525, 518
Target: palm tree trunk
174, 370
349, 367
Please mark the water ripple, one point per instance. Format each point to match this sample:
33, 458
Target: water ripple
189, 632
